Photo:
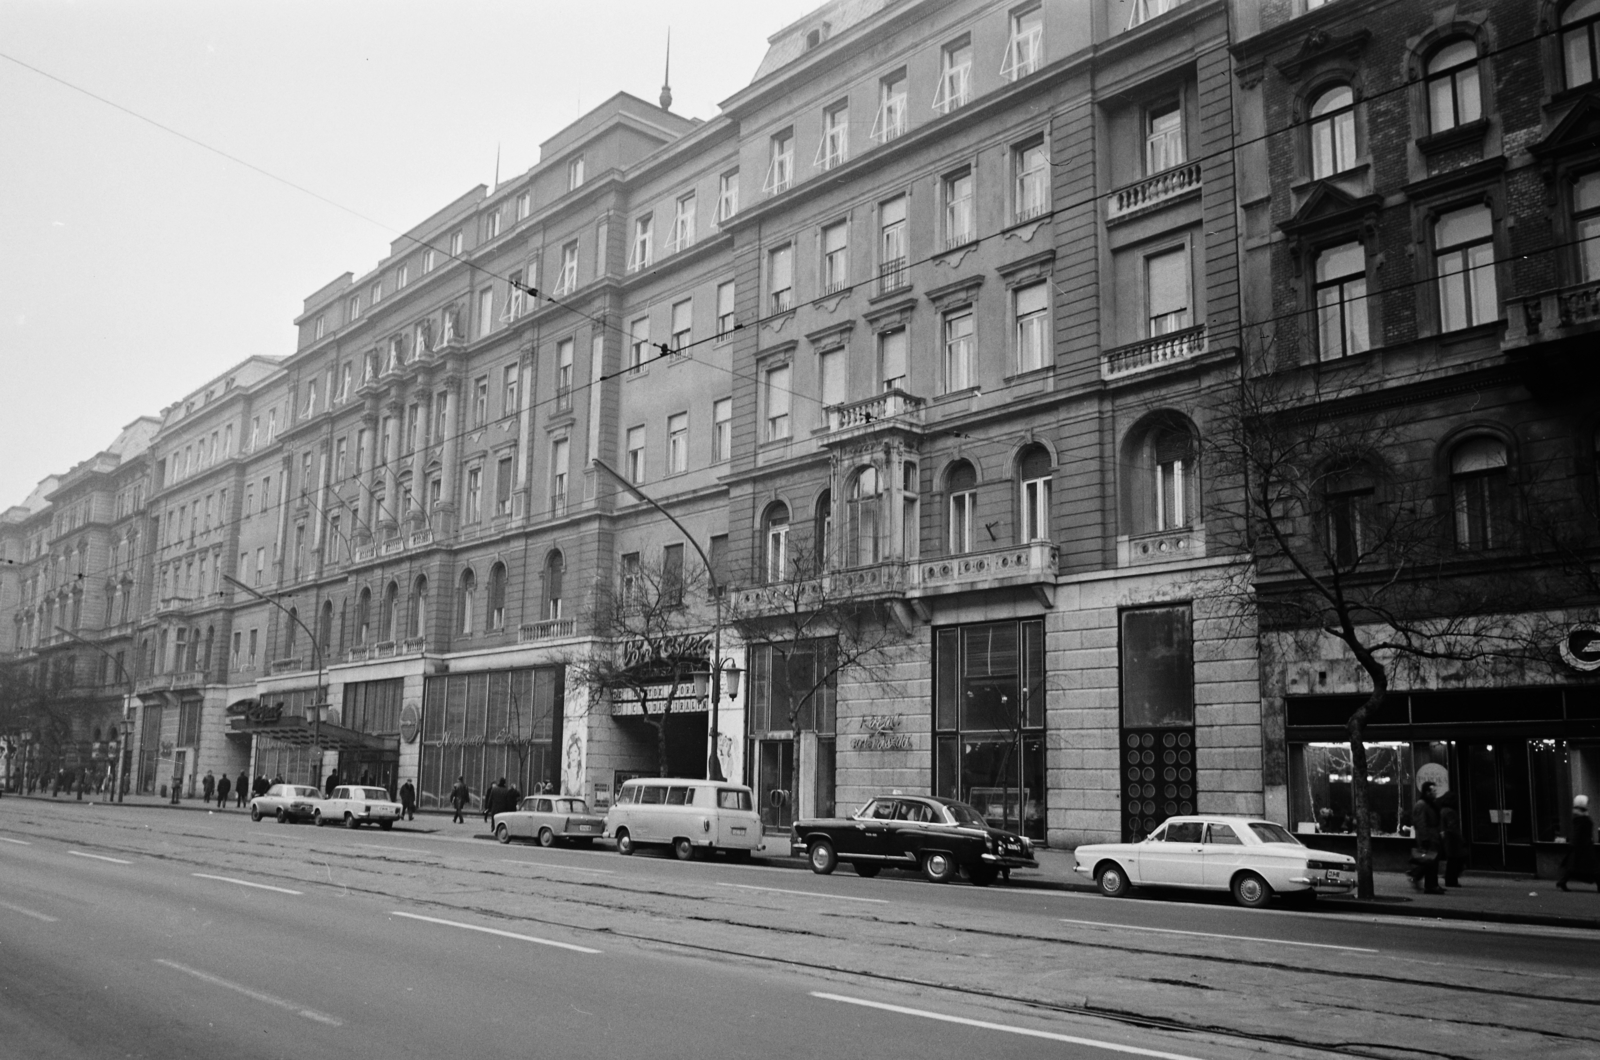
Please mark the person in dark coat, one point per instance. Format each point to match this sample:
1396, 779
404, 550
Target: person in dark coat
1425, 855
241, 788
224, 785
1580, 864
331, 783
494, 801
408, 801
459, 797
366, 776
1453, 845
208, 787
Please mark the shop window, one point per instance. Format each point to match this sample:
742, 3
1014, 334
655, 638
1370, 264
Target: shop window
989, 713
483, 726
1578, 38
793, 689
1157, 663
1480, 494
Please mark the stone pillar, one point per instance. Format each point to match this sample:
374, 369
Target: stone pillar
389, 514
450, 457
523, 495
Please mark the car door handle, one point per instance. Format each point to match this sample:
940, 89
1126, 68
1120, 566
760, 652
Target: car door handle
861, 827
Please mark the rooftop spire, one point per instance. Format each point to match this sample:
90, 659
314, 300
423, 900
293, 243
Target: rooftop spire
666, 76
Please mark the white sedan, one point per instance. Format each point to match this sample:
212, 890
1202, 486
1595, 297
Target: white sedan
354, 805
1249, 857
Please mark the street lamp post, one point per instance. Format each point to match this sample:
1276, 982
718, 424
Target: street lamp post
120, 768
316, 660
713, 763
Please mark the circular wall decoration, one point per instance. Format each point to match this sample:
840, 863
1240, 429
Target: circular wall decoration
1580, 648
409, 722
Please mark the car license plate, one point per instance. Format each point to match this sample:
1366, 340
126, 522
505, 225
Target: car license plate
586, 828
1334, 877
737, 829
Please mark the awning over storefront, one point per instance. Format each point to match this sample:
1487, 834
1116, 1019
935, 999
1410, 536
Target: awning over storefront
252, 718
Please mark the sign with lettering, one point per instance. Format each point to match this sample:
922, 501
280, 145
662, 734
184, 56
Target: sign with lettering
882, 733
686, 698
263, 713
1580, 648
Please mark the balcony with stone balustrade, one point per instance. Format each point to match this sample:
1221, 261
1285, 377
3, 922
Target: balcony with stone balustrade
1158, 190
891, 410
1150, 354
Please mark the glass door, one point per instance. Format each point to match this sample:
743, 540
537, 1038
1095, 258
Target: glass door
775, 766
1497, 806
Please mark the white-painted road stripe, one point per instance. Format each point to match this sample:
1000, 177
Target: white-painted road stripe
254, 995
1214, 935
808, 894
942, 1017
494, 931
563, 868
98, 857
19, 842
244, 883
27, 912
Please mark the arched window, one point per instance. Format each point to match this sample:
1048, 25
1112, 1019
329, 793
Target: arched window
961, 491
1453, 95
419, 607
1033, 491
822, 532
775, 543
1480, 492
1333, 131
864, 518
387, 619
1172, 459
364, 617
1578, 40
1347, 498
291, 631
325, 629
1160, 490
555, 569
466, 602
497, 596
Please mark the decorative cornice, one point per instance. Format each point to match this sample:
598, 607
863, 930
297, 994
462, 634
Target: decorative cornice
832, 336
954, 294
1319, 45
1027, 270
891, 315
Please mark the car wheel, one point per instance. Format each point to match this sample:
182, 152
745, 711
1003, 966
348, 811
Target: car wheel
624, 842
255, 814
866, 871
547, 838
1112, 881
350, 822
682, 849
938, 867
385, 825
502, 833
822, 857
982, 875
282, 817
316, 819
1251, 891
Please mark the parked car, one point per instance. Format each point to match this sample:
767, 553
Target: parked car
1252, 858
286, 802
548, 818
357, 805
690, 816
941, 836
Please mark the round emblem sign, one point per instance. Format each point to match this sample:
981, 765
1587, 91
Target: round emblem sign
1580, 648
1435, 773
408, 723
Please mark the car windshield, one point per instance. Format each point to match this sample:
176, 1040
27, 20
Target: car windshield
372, 793
1268, 832
571, 806
965, 815
308, 793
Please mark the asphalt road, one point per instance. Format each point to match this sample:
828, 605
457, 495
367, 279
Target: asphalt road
170, 934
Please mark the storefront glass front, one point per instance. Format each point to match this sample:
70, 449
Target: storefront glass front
1157, 768
484, 726
793, 689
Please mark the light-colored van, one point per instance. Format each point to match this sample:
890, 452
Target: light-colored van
686, 815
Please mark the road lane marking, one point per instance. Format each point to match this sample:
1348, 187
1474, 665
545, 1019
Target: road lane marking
244, 883
943, 1017
27, 912
808, 894
494, 931
403, 850
254, 995
565, 868
19, 842
98, 857
1214, 935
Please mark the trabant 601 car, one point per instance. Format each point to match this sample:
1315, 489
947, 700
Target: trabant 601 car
549, 818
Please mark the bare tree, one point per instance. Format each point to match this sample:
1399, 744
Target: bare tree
1333, 495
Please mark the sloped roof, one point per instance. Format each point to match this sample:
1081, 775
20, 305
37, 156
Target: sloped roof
789, 43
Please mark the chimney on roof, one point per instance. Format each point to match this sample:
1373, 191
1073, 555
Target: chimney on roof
666, 76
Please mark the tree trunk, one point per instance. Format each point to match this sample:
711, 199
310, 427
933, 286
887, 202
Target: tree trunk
1357, 727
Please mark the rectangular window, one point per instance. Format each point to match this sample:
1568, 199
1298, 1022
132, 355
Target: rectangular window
962, 505
559, 450
682, 224
321, 326
361, 451
1157, 668
775, 401
632, 584
353, 310
340, 456
1036, 509
524, 205
564, 374
677, 443
892, 246
503, 484
834, 148
682, 324
955, 76
574, 172
721, 429
1464, 262
485, 311
639, 342
1163, 137
250, 656
480, 401
958, 350
835, 257
641, 250
727, 195
634, 459
261, 564
474, 494
1342, 301
429, 261
457, 243
726, 320
1167, 291
491, 225
780, 278
1032, 307
892, 359
1025, 50
509, 405
238, 642
833, 382
1586, 220
891, 119
959, 224
780, 164
402, 276
376, 294
1032, 194
568, 280
672, 575
1347, 513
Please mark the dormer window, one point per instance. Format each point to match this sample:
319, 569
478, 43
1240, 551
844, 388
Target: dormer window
816, 36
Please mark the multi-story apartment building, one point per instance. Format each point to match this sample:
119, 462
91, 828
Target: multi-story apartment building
1417, 184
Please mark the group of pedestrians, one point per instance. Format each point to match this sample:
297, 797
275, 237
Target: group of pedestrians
1436, 837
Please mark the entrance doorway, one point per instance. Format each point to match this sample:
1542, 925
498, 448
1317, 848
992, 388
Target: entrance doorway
774, 778
1497, 804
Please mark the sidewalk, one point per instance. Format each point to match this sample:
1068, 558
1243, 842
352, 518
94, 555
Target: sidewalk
1492, 898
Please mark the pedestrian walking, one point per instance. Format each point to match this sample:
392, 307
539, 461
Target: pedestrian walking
459, 797
1580, 864
494, 801
208, 787
224, 785
408, 801
1452, 844
1424, 872
366, 776
241, 788
331, 783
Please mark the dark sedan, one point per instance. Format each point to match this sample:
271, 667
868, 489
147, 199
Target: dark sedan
941, 836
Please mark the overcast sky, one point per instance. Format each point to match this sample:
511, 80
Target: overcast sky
135, 265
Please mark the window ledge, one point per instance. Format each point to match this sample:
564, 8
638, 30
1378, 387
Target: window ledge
1460, 136
1358, 171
